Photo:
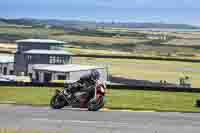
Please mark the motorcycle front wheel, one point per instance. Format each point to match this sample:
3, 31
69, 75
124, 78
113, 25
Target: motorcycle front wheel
95, 105
57, 102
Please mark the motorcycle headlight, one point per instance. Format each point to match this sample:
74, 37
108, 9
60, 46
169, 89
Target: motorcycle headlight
102, 89
65, 92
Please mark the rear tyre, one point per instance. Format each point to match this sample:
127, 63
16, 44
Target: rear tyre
95, 105
198, 103
57, 102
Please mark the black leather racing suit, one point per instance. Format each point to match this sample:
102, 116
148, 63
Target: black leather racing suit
84, 84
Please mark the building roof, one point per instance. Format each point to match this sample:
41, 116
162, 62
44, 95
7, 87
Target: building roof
48, 52
64, 68
39, 41
6, 59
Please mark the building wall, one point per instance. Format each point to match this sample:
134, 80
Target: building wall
20, 64
73, 76
53, 77
28, 46
21, 61
42, 59
37, 59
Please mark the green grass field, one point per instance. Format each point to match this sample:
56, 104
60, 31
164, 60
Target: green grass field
116, 99
130, 43
150, 70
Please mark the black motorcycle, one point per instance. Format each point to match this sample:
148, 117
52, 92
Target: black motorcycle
80, 99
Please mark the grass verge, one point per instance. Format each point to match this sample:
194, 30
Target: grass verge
116, 99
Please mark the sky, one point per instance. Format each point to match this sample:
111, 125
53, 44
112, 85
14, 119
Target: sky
165, 11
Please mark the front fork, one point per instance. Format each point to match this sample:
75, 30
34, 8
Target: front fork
58, 92
95, 93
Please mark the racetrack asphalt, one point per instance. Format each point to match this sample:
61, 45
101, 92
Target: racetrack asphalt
81, 121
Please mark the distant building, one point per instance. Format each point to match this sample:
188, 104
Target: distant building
58, 57
156, 37
39, 51
43, 61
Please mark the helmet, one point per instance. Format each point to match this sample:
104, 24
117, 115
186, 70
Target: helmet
95, 75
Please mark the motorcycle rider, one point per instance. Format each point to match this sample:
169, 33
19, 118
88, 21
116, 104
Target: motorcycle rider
86, 83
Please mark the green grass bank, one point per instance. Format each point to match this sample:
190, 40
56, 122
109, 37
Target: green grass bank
116, 99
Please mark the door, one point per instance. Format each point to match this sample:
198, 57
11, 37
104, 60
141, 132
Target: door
5, 71
37, 76
47, 77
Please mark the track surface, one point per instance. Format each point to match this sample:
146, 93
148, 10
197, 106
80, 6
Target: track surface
76, 121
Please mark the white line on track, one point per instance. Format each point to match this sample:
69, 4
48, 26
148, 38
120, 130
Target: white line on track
77, 121
92, 123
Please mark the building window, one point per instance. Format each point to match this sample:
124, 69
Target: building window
64, 77
30, 75
56, 60
11, 72
5, 71
62, 60
51, 61
61, 77
29, 57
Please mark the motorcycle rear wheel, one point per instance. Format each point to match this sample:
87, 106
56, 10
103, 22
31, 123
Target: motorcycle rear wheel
57, 102
95, 105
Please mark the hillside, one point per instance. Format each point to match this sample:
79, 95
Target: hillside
90, 24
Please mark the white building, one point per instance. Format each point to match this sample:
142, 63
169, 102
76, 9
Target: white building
44, 61
71, 72
156, 37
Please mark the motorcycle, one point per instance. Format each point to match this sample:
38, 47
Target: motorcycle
80, 99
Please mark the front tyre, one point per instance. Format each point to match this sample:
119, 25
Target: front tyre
57, 102
95, 105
